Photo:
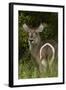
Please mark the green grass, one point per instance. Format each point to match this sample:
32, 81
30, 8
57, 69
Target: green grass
28, 69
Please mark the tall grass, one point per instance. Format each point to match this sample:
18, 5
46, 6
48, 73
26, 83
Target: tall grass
28, 69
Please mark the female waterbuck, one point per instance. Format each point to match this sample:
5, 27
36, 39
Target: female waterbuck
42, 53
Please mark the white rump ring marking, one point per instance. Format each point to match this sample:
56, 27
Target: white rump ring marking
53, 50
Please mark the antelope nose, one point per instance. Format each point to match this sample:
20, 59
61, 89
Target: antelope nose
31, 40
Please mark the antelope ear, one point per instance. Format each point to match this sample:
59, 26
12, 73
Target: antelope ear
26, 28
40, 28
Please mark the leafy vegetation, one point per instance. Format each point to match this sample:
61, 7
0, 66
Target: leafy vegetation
27, 67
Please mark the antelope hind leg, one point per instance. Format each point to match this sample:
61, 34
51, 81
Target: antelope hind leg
43, 68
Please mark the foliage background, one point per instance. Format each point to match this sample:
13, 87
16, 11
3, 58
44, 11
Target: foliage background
27, 67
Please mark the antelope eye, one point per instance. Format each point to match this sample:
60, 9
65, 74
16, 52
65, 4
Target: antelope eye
36, 33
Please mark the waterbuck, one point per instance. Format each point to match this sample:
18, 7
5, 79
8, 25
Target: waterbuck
42, 53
